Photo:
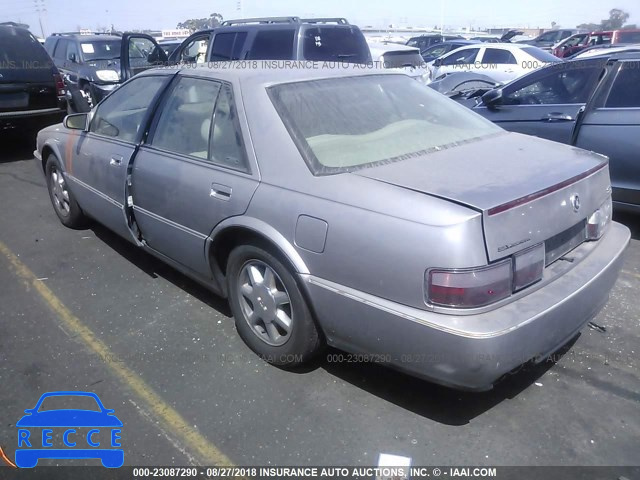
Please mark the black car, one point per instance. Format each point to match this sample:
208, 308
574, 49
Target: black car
31, 88
91, 64
276, 38
439, 49
425, 41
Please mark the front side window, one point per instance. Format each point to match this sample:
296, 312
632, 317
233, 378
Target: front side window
462, 57
121, 115
498, 56
272, 45
624, 91
343, 124
569, 85
185, 122
196, 50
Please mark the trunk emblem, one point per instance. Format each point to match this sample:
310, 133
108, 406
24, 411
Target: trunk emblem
575, 202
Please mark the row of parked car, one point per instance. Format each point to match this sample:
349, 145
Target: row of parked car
501, 81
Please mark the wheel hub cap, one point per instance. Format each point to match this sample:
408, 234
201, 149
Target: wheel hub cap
265, 303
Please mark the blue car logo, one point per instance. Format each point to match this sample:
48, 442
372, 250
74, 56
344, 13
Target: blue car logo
69, 433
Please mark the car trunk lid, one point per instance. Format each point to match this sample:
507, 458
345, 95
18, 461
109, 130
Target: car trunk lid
529, 190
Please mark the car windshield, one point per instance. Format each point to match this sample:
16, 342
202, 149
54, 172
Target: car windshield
69, 402
345, 44
402, 59
541, 55
101, 50
348, 123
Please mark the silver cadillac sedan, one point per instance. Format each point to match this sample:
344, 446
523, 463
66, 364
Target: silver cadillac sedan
348, 207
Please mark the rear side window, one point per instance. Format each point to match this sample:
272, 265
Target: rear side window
185, 123
227, 46
346, 44
272, 45
498, 56
18, 48
625, 91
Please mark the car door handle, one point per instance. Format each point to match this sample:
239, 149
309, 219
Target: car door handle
221, 192
116, 160
558, 117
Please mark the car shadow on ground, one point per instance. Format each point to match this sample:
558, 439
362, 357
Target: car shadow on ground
14, 148
438, 403
156, 268
630, 220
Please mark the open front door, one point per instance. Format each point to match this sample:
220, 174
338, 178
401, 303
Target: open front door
139, 52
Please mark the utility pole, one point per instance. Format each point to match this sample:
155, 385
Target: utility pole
41, 8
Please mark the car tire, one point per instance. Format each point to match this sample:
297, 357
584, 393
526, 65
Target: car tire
62, 199
264, 298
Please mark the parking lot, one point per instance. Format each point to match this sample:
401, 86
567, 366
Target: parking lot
85, 310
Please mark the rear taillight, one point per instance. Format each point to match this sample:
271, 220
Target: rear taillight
481, 286
468, 288
60, 88
599, 220
528, 266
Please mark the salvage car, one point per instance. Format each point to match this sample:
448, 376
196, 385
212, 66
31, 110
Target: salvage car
276, 38
500, 61
348, 207
91, 66
31, 88
592, 103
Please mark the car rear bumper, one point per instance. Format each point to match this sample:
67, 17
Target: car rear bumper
31, 120
434, 346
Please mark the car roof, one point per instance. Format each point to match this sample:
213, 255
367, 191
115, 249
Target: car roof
87, 38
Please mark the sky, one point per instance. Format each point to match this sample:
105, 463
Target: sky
69, 15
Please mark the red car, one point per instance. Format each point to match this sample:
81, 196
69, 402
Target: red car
580, 41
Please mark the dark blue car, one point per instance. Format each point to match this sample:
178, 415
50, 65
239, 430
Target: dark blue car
36, 444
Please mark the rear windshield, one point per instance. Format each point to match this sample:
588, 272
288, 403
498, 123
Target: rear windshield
101, 50
541, 55
345, 44
402, 59
347, 123
20, 49
628, 37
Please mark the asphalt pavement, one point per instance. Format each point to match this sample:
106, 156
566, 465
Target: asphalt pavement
85, 310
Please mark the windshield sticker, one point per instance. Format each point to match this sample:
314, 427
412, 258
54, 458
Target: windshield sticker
87, 48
